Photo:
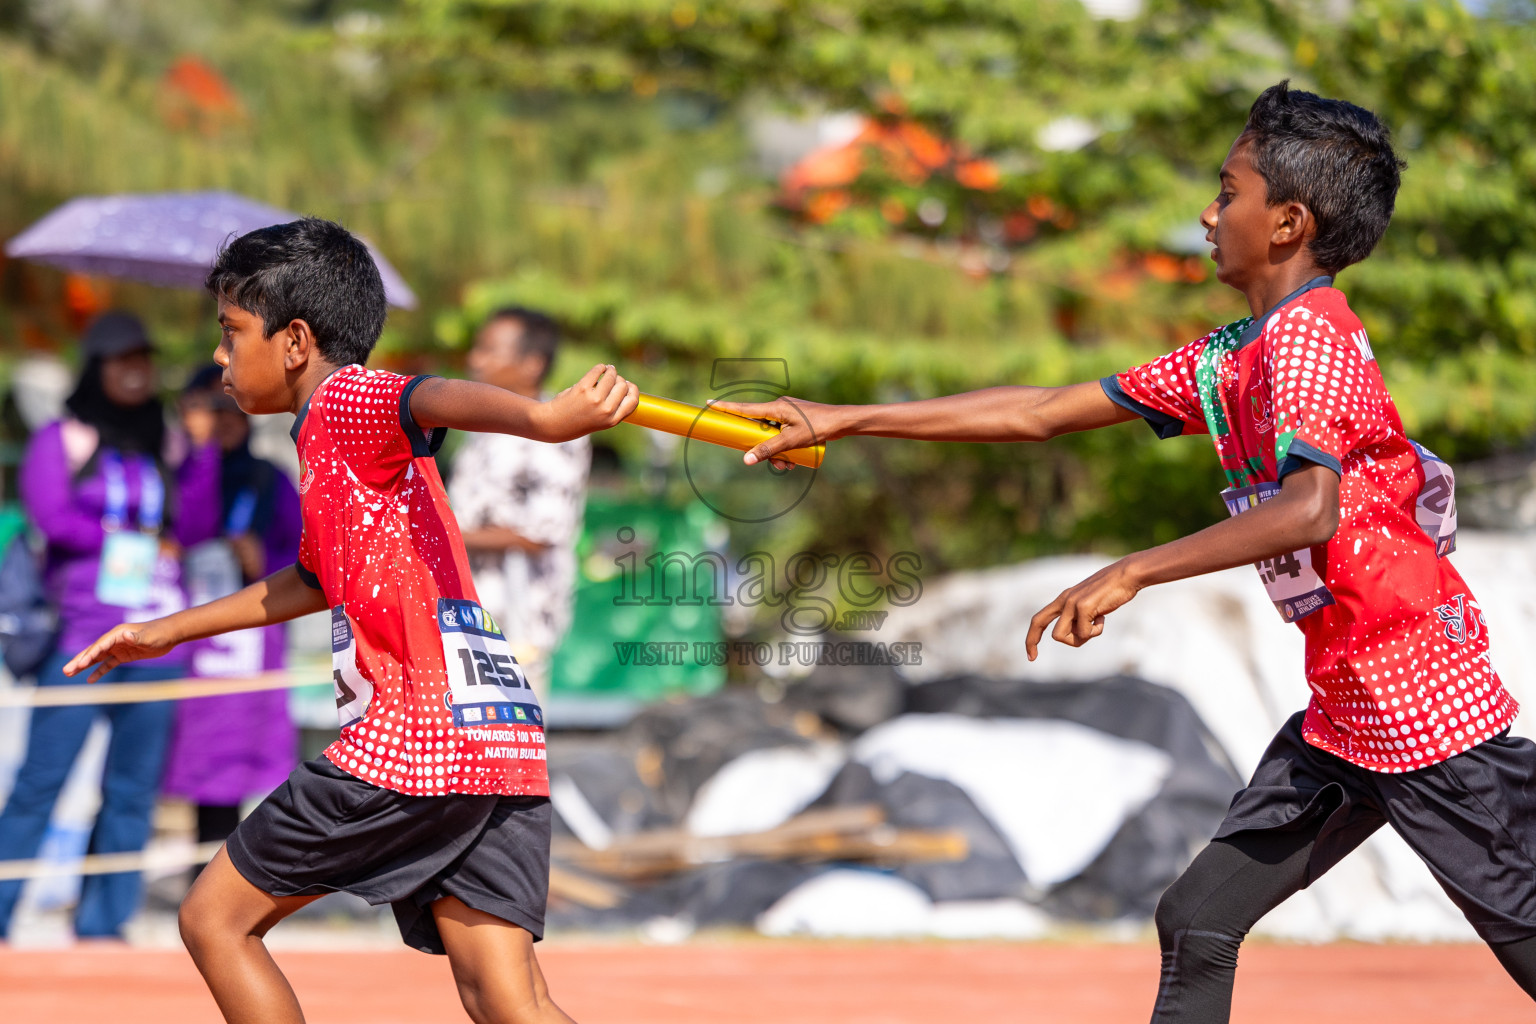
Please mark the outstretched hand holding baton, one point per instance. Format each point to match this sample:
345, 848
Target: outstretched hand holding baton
728, 425
802, 427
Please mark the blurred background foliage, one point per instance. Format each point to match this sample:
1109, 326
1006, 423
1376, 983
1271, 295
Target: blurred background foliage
1006, 192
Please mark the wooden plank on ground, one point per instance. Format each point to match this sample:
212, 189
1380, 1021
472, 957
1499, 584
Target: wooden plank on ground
856, 833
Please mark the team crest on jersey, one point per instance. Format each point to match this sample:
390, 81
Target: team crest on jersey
1462, 622
1259, 408
306, 477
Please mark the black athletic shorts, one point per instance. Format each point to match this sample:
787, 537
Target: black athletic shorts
1471, 818
327, 831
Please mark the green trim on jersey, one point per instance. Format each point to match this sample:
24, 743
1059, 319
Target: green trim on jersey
1208, 379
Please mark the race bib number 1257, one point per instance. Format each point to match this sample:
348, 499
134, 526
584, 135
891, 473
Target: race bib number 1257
1291, 582
486, 685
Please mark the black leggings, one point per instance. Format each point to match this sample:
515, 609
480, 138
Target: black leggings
1205, 914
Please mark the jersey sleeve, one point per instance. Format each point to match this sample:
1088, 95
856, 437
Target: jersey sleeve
1163, 392
1321, 388
369, 419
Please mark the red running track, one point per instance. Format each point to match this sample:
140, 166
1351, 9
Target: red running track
752, 982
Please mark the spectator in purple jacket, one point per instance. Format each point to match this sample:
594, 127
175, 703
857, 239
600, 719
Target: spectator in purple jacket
225, 749
117, 496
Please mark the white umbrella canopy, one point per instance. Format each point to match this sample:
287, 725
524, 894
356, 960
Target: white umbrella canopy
164, 238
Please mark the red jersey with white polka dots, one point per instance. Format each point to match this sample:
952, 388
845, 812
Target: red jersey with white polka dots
1398, 662
381, 542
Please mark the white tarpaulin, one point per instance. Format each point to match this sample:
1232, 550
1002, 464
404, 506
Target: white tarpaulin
762, 789
1056, 791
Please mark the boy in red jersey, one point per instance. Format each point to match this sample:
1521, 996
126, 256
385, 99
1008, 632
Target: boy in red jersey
1347, 521
434, 798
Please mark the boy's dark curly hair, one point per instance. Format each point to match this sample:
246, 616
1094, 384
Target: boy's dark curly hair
1333, 157
312, 270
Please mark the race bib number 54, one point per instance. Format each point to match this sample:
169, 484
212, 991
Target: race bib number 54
1291, 582
486, 685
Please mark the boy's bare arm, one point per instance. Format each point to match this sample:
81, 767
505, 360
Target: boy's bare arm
1015, 413
278, 598
598, 401
1304, 513
500, 538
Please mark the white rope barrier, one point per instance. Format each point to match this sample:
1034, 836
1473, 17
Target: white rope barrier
138, 693
154, 858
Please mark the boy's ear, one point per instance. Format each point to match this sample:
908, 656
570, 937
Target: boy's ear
299, 344
1294, 224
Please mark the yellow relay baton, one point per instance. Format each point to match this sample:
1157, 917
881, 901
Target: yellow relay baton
716, 427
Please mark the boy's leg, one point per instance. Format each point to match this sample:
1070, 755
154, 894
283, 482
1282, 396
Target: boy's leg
1519, 960
494, 967
223, 920
1301, 813
1207, 912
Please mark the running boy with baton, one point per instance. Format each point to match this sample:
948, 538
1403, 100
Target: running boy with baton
434, 799
1348, 521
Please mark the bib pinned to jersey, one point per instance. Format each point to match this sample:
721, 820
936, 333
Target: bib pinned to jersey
486, 685
354, 691
1290, 580
1436, 507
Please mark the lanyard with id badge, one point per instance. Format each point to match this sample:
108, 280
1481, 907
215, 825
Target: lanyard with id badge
1290, 580
126, 576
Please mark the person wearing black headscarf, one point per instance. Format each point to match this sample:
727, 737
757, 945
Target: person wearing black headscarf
116, 391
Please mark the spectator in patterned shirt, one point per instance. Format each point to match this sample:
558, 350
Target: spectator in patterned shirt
1348, 522
520, 501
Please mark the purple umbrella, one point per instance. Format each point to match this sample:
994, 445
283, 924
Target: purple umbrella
166, 238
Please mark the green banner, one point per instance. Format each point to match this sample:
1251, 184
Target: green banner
650, 583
